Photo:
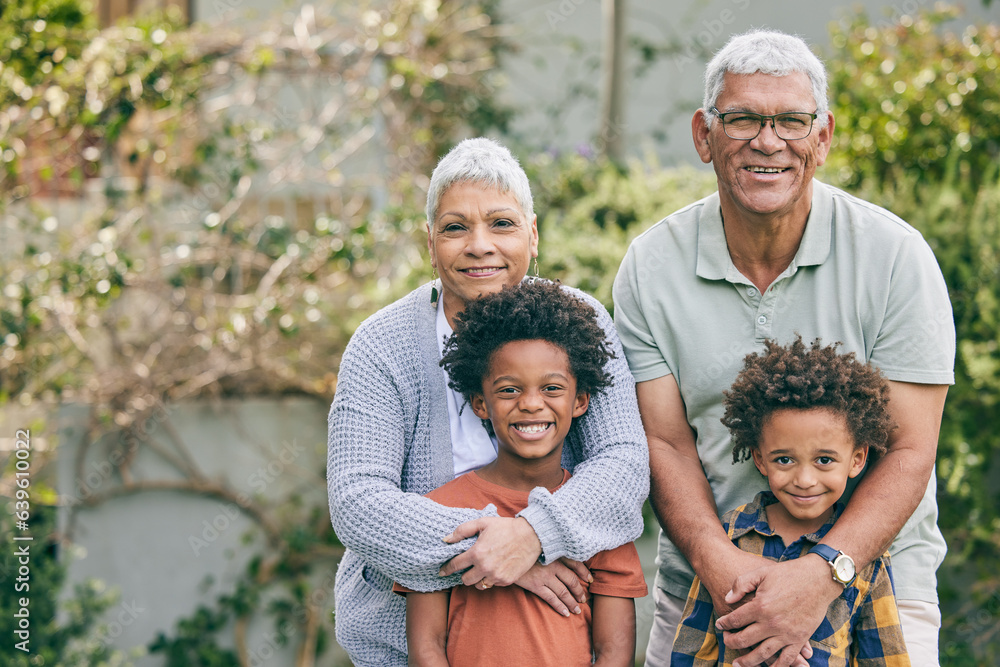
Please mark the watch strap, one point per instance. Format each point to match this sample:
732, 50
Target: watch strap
827, 553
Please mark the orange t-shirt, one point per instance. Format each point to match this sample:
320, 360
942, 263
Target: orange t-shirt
507, 625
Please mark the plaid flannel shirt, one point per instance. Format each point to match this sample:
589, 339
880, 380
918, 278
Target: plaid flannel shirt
861, 627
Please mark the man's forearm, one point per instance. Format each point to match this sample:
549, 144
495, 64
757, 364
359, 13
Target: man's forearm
680, 493
880, 505
682, 500
892, 488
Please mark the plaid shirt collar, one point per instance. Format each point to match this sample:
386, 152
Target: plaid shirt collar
752, 517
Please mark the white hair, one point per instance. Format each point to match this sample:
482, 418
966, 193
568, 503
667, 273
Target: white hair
767, 52
482, 161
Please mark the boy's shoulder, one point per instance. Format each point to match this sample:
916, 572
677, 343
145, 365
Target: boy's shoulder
457, 490
747, 516
472, 491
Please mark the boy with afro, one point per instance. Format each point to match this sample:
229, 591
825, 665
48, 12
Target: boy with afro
527, 359
808, 417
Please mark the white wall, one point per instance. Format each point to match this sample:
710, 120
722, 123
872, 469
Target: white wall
160, 548
542, 73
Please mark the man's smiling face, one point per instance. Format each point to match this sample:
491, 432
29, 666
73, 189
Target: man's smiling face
765, 176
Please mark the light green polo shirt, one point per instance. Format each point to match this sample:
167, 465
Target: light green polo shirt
861, 276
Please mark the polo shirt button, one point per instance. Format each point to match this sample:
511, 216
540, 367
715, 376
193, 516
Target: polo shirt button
761, 320
751, 291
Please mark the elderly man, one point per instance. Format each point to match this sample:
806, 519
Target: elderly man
773, 254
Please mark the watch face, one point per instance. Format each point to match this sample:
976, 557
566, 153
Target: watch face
844, 567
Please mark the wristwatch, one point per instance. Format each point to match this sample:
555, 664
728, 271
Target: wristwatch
841, 564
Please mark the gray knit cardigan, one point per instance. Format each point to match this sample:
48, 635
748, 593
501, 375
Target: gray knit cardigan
390, 443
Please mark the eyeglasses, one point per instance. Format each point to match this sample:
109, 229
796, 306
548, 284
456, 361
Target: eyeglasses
743, 125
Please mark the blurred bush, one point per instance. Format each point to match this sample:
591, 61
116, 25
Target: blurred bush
63, 630
180, 218
912, 99
590, 210
918, 131
963, 228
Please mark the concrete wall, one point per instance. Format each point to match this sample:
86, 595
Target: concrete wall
168, 552
542, 75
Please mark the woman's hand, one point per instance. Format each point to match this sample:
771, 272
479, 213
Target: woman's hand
558, 584
504, 551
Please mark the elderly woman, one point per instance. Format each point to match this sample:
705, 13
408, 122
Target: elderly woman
396, 431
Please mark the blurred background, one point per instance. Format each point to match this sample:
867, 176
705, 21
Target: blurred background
201, 199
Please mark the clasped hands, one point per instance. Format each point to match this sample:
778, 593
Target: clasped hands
506, 552
772, 608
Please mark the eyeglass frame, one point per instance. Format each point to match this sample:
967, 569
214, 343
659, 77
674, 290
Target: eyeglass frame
763, 120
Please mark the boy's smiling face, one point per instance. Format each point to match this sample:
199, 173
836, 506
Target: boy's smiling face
530, 397
807, 457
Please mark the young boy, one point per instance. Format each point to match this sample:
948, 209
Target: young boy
808, 418
528, 359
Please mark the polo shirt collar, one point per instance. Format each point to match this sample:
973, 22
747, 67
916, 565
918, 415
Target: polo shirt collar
753, 517
714, 262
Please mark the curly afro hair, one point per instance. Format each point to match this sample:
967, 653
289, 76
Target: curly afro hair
530, 310
795, 376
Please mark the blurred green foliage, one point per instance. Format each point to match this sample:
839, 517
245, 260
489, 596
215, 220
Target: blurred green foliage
964, 231
209, 188
38, 37
918, 131
589, 211
910, 99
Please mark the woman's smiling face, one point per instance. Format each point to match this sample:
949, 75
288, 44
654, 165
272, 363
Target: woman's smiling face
480, 241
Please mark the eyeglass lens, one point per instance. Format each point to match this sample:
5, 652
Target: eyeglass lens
749, 125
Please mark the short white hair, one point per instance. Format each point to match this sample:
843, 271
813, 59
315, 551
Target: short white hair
482, 161
767, 52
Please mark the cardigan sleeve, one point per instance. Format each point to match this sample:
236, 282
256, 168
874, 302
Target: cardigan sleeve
600, 507
372, 423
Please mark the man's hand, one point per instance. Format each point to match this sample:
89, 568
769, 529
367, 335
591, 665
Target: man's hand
719, 581
558, 584
790, 600
504, 551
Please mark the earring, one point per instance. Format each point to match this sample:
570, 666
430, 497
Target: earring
434, 289
536, 267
